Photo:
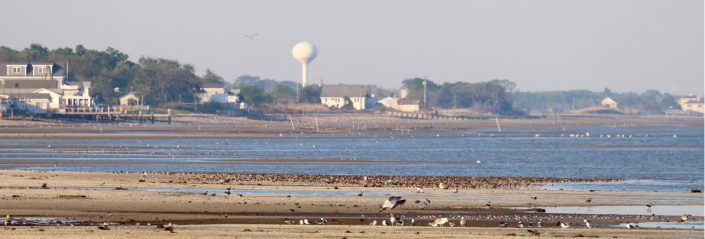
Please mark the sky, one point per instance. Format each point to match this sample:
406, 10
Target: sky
625, 45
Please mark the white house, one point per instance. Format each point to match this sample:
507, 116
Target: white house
691, 103
41, 88
216, 92
399, 104
359, 96
609, 103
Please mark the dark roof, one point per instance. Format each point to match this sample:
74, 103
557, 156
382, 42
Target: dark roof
29, 84
348, 90
57, 69
213, 85
29, 95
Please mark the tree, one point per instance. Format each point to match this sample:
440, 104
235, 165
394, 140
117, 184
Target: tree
254, 95
311, 94
210, 77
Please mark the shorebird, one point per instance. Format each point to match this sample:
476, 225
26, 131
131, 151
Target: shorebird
649, 205
104, 226
384, 222
44, 186
323, 221
563, 224
373, 223
455, 190
587, 223
7, 221
439, 222
359, 194
442, 186
169, 227
462, 221
630, 226
520, 224
413, 222
538, 224
488, 204
392, 202
419, 190
534, 197
684, 218
502, 224
588, 200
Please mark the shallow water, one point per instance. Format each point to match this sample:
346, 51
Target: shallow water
673, 225
662, 210
651, 159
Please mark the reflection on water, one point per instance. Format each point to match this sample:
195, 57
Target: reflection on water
673, 225
651, 156
662, 210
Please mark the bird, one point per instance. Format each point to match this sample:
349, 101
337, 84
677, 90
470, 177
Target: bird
44, 186
419, 190
104, 226
439, 222
442, 186
250, 36
630, 226
384, 222
538, 224
534, 197
535, 232
502, 224
520, 224
530, 224
413, 222
455, 190
373, 223
684, 218
169, 227
563, 224
359, 194
587, 223
488, 204
8, 220
462, 221
649, 205
323, 221
393, 202
588, 200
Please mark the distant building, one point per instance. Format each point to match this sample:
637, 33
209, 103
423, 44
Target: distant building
691, 103
41, 88
399, 104
609, 103
129, 99
360, 97
216, 92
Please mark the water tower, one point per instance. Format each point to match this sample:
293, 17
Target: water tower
304, 52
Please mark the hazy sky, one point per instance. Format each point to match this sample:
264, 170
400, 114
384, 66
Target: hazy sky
626, 45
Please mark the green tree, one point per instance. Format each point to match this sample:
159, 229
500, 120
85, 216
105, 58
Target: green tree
254, 95
211, 77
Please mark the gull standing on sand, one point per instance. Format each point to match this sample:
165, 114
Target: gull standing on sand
462, 221
374, 223
563, 224
587, 223
7, 221
392, 202
384, 222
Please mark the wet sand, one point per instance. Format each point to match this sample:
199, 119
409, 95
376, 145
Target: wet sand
89, 198
210, 126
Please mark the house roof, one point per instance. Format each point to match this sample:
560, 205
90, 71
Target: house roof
29, 84
348, 90
57, 69
213, 85
29, 95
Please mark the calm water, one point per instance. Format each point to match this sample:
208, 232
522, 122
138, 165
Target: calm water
652, 158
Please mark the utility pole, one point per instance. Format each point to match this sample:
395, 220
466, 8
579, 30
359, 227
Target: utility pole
424, 83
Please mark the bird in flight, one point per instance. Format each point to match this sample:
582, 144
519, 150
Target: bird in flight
250, 36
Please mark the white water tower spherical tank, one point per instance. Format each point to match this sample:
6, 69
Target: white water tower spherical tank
304, 52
